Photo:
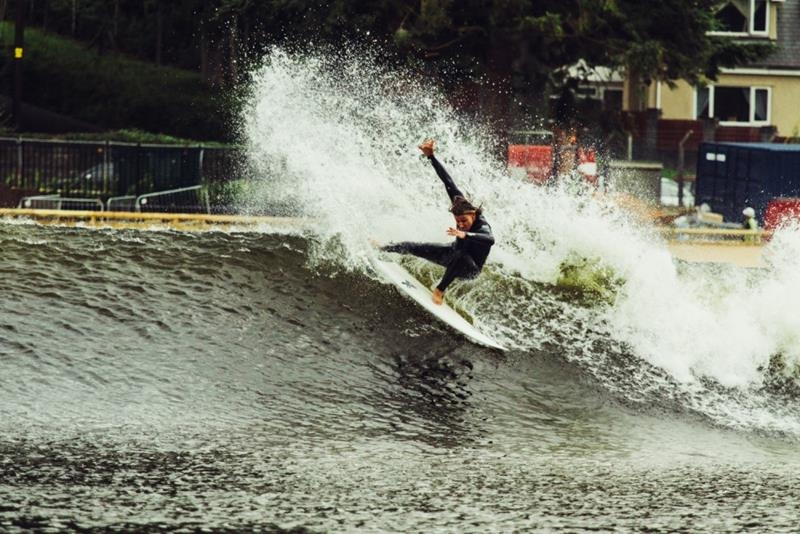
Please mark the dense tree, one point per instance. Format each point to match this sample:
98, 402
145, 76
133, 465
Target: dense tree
499, 48
521, 46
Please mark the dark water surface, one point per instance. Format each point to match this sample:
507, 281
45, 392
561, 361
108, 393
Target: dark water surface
166, 381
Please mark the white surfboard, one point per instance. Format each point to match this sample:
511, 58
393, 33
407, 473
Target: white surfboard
409, 286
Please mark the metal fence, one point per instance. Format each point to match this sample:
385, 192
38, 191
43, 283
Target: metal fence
110, 170
56, 202
192, 199
183, 200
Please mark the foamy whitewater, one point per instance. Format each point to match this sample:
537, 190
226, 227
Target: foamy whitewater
336, 135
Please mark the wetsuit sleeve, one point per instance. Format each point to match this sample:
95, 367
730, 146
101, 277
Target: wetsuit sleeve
482, 235
449, 184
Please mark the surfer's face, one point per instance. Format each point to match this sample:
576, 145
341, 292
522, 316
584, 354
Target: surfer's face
464, 221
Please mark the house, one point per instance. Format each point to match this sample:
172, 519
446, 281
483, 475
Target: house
754, 103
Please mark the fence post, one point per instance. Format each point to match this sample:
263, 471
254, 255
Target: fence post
106, 177
136, 189
200, 156
630, 147
681, 161
20, 162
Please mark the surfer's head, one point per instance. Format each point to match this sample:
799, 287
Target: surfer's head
464, 212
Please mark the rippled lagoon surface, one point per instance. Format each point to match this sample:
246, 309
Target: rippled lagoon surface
166, 381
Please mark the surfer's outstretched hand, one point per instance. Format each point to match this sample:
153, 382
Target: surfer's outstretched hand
427, 147
460, 234
438, 296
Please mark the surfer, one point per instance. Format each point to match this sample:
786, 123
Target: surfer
464, 258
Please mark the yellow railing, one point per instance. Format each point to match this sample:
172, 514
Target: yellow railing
717, 236
126, 218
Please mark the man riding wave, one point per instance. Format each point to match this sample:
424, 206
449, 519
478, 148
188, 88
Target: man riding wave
465, 257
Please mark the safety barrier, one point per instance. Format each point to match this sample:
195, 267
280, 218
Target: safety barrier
192, 199
56, 202
121, 203
182, 200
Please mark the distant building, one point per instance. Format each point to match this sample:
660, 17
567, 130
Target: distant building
761, 97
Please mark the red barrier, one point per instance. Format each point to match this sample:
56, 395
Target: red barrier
537, 160
781, 211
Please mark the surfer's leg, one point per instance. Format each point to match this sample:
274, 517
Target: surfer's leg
461, 266
438, 254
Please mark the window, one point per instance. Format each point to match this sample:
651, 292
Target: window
743, 17
759, 10
733, 105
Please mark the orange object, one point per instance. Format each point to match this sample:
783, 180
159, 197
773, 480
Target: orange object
587, 165
780, 211
532, 153
537, 160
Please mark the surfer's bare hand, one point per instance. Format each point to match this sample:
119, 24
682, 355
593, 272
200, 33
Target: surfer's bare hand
427, 147
438, 296
456, 232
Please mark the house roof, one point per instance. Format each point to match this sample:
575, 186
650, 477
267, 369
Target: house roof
787, 55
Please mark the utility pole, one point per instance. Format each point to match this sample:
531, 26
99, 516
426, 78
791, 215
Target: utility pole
19, 38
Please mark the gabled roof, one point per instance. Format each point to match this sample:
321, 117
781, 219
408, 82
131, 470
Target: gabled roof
787, 56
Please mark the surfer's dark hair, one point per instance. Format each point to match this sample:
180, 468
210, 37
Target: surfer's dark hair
462, 206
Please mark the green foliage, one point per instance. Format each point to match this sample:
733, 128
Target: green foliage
117, 92
230, 194
589, 279
665, 40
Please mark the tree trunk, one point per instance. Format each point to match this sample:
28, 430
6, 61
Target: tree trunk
203, 52
115, 25
159, 32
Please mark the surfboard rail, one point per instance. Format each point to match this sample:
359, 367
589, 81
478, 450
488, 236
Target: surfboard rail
410, 287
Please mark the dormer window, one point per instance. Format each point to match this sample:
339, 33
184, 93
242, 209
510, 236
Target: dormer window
743, 17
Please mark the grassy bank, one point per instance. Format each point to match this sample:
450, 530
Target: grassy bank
117, 92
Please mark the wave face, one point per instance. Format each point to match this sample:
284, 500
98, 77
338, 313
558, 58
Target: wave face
162, 380
336, 134
267, 381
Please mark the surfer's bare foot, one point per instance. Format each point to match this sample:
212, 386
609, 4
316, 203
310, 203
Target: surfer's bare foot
374, 242
438, 296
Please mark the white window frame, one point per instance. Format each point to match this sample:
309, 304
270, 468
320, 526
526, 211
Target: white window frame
751, 119
750, 21
753, 31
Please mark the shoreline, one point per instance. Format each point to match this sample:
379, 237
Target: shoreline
196, 222
694, 246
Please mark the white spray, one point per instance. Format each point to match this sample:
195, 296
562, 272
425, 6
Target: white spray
337, 134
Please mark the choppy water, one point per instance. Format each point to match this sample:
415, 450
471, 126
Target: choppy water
155, 380
267, 381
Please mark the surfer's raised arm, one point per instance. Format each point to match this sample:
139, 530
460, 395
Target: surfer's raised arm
427, 147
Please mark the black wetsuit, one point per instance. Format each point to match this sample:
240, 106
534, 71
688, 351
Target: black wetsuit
464, 258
